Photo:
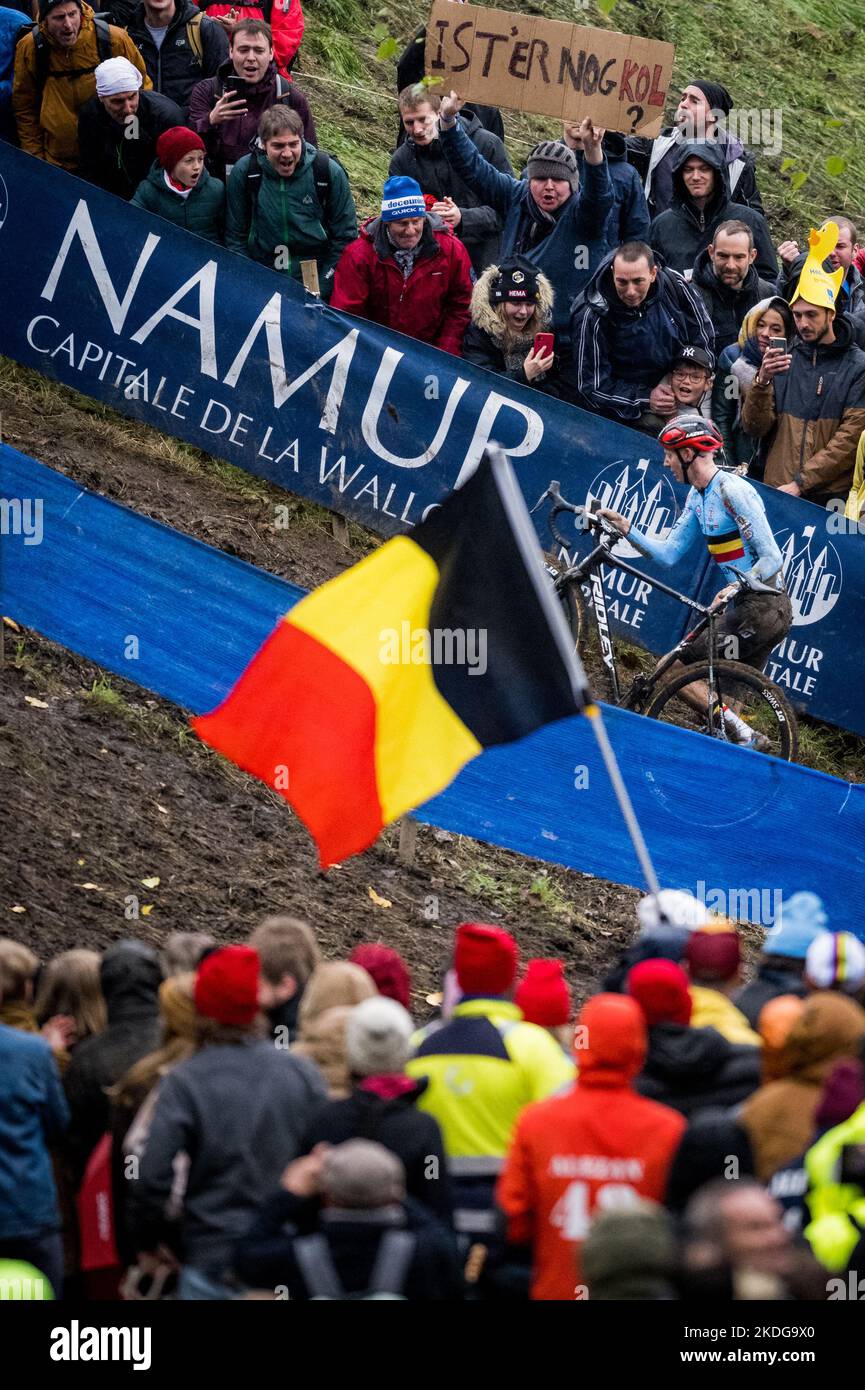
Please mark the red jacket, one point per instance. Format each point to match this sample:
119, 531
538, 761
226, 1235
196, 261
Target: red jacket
597, 1146
432, 305
285, 19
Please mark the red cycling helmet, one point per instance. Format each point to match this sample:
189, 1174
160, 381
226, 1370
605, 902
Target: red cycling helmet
692, 431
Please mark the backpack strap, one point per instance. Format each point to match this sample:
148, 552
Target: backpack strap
393, 1258
193, 37
42, 56
42, 51
253, 183
321, 176
317, 1268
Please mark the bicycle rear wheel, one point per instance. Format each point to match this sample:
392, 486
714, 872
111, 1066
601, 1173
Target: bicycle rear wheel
756, 700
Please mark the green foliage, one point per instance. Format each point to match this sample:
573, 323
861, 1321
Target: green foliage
835, 165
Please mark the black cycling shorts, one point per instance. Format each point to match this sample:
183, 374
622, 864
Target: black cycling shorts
748, 630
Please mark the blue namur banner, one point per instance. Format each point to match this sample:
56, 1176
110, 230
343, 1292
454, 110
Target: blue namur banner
211, 348
739, 829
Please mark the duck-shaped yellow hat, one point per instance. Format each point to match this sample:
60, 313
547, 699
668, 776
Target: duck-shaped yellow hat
816, 285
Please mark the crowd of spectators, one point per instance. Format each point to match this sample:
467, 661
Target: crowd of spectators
649, 266
213, 1122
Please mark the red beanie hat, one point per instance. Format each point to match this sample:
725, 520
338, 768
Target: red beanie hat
388, 970
173, 144
713, 954
485, 959
543, 994
226, 985
660, 987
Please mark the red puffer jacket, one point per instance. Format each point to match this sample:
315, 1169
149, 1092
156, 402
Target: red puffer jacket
432, 305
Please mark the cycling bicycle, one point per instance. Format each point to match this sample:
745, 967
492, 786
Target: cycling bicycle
731, 684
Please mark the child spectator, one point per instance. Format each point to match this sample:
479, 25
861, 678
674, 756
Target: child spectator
179, 187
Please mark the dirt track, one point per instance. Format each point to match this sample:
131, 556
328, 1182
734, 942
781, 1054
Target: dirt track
113, 779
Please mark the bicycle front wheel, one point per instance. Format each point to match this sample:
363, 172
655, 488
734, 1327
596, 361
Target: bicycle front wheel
751, 695
574, 607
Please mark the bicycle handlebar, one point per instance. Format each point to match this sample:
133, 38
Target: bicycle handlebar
588, 521
591, 521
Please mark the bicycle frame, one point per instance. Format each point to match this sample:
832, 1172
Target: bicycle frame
590, 568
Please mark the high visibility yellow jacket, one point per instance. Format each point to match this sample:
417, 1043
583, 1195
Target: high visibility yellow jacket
484, 1067
711, 1009
837, 1209
855, 508
47, 119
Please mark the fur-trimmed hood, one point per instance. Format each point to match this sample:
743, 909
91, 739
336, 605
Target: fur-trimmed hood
484, 314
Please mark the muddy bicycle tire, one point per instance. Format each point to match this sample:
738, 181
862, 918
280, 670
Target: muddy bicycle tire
573, 603
763, 705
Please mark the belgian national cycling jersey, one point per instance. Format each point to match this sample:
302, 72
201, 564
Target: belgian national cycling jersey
731, 516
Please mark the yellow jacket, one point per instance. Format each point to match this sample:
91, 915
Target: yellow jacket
855, 508
837, 1209
48, 127
711, 1009
484, 1067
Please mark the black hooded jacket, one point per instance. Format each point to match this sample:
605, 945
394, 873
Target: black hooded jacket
174, 68
411, 1134
692, 1069
480, 226
130, 976
773, 978
639, 154
711, 1140
726, 306
266, 1257
109, 158
684, 230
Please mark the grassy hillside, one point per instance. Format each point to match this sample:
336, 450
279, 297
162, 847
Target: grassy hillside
804, 58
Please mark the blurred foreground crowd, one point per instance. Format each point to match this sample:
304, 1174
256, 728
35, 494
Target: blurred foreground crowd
252, 1121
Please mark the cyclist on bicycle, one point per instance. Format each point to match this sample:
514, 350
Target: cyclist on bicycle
729, 513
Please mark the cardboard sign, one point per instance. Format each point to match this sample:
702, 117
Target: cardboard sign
548, 67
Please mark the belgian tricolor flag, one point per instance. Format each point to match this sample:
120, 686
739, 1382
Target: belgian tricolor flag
373, 692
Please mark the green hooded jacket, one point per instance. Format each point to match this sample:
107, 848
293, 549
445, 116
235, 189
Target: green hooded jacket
203, 212
288, 224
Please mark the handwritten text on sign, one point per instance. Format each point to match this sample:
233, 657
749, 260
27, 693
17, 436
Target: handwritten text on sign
549, 67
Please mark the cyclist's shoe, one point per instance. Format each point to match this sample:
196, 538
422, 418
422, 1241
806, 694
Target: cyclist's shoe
759, 742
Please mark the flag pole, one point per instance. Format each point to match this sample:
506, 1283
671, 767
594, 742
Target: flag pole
593, 714
526, 537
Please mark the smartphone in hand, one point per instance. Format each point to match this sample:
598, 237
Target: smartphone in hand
544, 344
779, 344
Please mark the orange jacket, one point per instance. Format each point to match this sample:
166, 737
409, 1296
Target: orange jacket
48, 124
598, 1146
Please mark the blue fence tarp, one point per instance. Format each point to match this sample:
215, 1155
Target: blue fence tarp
92, 574
219, 351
